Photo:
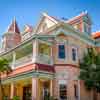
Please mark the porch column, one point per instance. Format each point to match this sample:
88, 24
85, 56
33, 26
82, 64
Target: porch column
12, 91
78, 89
52, 55
35, 88
14, 59
51, 87
35, 50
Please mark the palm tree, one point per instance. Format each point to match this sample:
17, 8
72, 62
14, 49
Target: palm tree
4, 68
90, 71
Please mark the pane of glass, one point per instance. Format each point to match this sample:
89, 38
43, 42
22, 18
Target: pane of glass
74, 54
63, 91
76, 91
61, 51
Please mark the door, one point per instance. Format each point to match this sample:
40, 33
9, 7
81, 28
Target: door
46, 93
27, 93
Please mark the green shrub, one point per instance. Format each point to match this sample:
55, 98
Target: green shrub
5, 98
16, 98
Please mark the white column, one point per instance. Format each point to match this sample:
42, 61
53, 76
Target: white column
51, 87
35, 50
12, 91
35, 89
78, 89
51, 55
14, 59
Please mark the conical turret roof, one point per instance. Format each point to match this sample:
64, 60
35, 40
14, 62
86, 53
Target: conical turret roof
13, 28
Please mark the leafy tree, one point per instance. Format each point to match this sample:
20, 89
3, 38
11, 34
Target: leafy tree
90, 70
4, 68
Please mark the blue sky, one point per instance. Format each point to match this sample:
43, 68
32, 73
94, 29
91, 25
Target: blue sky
29, 11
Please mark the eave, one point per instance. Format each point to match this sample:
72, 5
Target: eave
35, 36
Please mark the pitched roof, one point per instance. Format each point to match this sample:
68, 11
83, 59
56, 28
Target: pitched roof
50, 17
77, 17
96, 35
13, 27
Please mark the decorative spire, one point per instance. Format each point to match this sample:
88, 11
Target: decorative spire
13, 27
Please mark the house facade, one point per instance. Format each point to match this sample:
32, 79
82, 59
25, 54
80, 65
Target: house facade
45, 59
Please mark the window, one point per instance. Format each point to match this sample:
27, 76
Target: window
61, 51
63, 91
76, 91
74, 54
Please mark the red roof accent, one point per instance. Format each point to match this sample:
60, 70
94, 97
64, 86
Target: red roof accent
13, 27
28, 28
74, 19
28, 68
96, 35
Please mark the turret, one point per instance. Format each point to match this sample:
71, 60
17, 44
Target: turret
12, 37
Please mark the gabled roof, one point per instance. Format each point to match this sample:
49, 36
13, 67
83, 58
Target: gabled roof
53, 19
78, 17
13, 27
42, 17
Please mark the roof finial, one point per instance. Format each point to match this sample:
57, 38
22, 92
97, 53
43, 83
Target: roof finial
14, 23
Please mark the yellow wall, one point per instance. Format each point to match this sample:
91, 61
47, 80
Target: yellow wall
44, 49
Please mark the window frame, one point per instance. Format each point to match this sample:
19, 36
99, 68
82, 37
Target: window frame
76, 53
63, 91
61, 51
76, 91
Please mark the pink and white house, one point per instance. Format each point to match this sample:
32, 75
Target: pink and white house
45, 59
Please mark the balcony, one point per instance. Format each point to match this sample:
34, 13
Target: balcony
32, 52
23, 61
41, 59
44, 59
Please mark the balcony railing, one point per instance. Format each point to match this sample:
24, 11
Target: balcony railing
41, 58
24, 60
44, 59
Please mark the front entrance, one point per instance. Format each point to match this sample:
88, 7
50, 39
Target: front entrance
45, 90
27, 92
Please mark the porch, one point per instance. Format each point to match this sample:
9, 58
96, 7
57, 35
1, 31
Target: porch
35, 51
35, 88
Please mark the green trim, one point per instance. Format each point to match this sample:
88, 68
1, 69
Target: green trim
75, 34
35, 36
28, 75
